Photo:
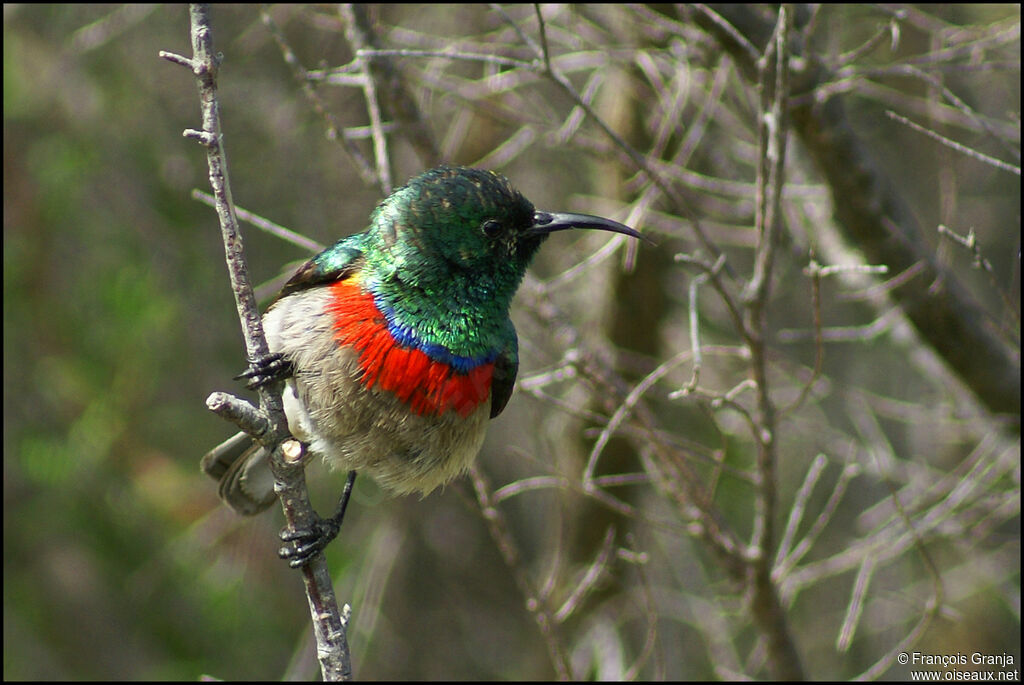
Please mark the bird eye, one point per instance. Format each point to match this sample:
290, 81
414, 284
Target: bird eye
491, 227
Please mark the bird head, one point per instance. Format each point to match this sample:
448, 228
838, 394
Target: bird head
455, 222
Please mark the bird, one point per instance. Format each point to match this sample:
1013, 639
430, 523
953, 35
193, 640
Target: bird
395, 344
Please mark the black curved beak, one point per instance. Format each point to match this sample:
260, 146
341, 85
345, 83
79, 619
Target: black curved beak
549, 222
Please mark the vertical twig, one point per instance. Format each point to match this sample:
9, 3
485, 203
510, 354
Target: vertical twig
386, 85
268, 425
335, 129
768, 612
546, 622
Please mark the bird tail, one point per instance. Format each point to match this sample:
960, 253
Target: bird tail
242, 468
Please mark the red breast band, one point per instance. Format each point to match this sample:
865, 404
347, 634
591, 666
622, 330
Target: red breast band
426, 385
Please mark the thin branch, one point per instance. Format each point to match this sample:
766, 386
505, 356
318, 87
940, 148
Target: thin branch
498, 527
497, 60
784, 564
856, 605
329, 624
357, 37
335, 130
594, 573
768, 613
813, 270
265, 225
963, 149
389, 88
981, 262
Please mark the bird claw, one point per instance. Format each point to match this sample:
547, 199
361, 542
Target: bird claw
266, 369
303, 544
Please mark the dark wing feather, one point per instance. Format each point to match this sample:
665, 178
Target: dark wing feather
333, 264
505, 368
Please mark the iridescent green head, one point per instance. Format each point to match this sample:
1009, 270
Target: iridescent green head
463, 225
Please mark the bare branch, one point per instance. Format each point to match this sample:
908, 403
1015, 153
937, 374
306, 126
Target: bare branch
269, 426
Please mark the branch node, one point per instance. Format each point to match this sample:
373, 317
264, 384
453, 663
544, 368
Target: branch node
204, 138
178, 59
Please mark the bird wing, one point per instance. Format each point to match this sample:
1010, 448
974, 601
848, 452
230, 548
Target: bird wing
333, 264
505, 368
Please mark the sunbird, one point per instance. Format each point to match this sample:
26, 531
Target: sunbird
395, 344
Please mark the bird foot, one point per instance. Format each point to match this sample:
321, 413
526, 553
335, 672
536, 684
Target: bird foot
302, 545
266, 369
